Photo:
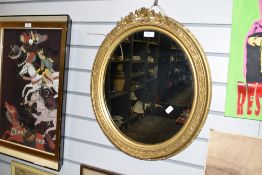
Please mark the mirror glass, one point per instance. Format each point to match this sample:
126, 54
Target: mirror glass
149, 87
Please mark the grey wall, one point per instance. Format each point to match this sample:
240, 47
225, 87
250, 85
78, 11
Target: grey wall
209, 21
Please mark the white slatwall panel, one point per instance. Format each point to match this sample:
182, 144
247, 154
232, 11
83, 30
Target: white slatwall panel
186, 11
86, 130
218, 98
76, 83
90, 131
218, 68
89, 34
117, 161
85, 143
82, 58
260, 130
213, 39
70, 168
227, 124
5, 168
201, 11
79, 105
84, 34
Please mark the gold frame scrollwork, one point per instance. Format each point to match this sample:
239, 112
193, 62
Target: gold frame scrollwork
145, 19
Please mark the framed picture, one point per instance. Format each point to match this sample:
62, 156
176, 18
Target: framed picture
244, 83
33, 79
233, 154
21, 169
90, 170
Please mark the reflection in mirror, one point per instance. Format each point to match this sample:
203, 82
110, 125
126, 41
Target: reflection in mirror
149, 87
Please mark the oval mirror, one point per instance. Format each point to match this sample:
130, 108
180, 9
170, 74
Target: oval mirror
151, 86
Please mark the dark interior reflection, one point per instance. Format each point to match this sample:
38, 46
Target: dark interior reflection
149, 87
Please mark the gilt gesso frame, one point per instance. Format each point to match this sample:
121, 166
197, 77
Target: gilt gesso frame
34, 54
19, 168
87, 169
141, 20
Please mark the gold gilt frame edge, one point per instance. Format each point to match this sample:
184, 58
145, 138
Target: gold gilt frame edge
27, 168
144, 19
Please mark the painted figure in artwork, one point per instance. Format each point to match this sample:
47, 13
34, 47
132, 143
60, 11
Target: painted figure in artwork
16, 133
42, 140
33, 118
252, 68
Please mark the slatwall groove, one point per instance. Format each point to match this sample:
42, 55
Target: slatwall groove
84, 46
259, 129
217, 54
5, 162
219, 84
79, 70
206, 25
95, 22
73, 162
184, 164
78, 93
202, 139
216, 112
91, 143
37, 1
185, 24
81, 117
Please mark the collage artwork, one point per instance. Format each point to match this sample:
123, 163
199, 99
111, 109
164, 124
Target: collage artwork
29, 88
244, 88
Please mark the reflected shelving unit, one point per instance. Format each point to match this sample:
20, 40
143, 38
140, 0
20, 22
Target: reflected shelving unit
132, 69
143, 72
